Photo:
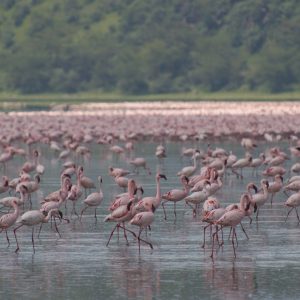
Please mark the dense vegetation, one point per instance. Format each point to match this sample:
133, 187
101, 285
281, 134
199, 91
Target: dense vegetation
153, 46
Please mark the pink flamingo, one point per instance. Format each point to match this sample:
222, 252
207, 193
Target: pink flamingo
140, 162
259, 199
32, 218
94, 199
9, 219
232, 218
122, 214
147, 202
176, 195
293, 201
275, 186
144, 220
4, 186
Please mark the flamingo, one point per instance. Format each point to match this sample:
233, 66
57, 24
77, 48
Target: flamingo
248, 144
232, 218
7, 201
121, 181
115, 172
144, 220
123, 214
275, 186
295, 168
293, 201
211, 217
241, 164
257, 162
4, 187
40, 169
196, 199
94, 199
32, 186
47, 206
160, 153
5, 157
272, 171
86, 183
75, 191
9, 219
147, 202
32, 218
259, 199
66, 185
125, 198
140, 162
293, 185
176, 195
190, 170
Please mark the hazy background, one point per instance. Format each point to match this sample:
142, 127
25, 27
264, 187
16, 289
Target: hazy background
149, 47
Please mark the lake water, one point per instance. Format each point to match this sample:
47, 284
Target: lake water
80, 266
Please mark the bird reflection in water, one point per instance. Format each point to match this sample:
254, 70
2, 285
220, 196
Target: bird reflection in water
232, 282
134, 277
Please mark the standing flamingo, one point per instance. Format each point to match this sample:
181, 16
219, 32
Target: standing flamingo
176, 195
293, 201
259, 199
149, 201
140, 162
144, 220
32, 218
123, 213
9, 219
93, 200
275, 186
232, 218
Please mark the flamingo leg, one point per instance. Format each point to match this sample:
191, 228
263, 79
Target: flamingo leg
74, 209
7, 237
272, 199
244, 231
139, 240
204, 230
125, 235
32, 238
40, 230
257, 214
213, 243
250, 219
297, 215
222, 235
175, 209
56, 228
288, 213
82, 212
232, 241
126, 229
95, 215
15, 230
163, 206
230, 233
111, 234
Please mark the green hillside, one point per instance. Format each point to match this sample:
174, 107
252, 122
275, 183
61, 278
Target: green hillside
149, 47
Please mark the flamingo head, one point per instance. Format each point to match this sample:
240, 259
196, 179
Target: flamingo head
161, 176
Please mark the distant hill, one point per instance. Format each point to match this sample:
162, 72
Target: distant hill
149, 46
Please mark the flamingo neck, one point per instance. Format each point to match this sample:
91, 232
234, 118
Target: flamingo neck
17, 209
158, 193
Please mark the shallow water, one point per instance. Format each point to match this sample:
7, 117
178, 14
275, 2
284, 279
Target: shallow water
79, 265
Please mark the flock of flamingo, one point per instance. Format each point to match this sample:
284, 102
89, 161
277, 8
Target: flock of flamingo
69, 135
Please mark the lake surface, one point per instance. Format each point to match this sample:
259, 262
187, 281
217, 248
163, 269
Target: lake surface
80, 266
